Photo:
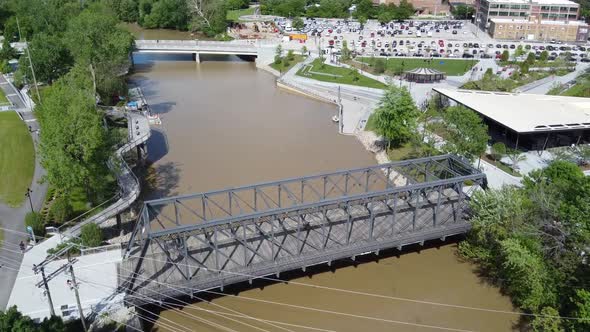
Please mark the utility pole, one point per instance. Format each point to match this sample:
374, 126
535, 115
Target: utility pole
18, 26
75, 286
32, 71
45, 282
51, 310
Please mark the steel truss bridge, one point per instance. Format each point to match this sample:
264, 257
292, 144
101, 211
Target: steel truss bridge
213, 239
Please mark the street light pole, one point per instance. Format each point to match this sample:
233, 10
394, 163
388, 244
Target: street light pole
28, 194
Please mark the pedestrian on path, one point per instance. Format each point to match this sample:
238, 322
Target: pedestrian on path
22, 247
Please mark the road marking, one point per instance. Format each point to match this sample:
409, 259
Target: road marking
11, 95
30, 120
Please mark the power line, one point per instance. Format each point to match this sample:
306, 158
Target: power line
310, 308
170, 307
396, 298
368, 294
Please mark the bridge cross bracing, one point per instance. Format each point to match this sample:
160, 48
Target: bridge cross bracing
218, 238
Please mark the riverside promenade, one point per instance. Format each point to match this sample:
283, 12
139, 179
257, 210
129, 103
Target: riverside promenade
90, 269
12, 218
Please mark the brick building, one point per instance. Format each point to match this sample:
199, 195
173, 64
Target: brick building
536, 29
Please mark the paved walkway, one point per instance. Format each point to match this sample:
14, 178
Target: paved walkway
12, 219
548, 85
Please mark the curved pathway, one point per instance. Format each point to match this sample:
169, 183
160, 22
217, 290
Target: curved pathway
12, 219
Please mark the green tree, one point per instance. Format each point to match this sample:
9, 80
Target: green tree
530, 59
345, 53
498, 150
303, 50
379, 66
467, 134
298, 24
548, 321
98, 43
463, 12
364, 8
12, 320
34, 220
395, 118
526, 275
505, 56
581, 303
278, 53
61, 210
544, 55
290, 55
51, 58
386, 16
7, 52
74, 146
91, 235
404, 11
5, 67
362, 21
519, 51
168, 14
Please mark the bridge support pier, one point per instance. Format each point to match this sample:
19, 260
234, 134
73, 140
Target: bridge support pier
141, 153
197, 57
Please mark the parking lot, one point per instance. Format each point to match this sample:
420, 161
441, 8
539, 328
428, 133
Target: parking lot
454, 39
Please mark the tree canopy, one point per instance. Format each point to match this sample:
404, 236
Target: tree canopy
74, 146
395, 118
533, 240
13, 320
467, 135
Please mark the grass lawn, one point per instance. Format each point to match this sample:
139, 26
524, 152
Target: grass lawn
452, 67
283, 67
17, 159
1, 235
3, 99
234, 15
501, 166
338, 75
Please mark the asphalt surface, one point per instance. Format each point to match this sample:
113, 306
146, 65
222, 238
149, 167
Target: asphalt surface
12, 219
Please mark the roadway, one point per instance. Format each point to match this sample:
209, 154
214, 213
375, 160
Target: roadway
12, 218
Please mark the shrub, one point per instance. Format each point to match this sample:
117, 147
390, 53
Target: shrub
34, 220
91, 235
379, 66
5, 67
290, 55
505, 55
498, 150
278, 60
61, 210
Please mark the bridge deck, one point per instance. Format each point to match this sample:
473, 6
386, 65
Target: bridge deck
331, 216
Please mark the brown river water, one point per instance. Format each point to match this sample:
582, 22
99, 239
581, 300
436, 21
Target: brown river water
226, 124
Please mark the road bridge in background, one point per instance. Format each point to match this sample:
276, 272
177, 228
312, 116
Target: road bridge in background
197, 47
214, 239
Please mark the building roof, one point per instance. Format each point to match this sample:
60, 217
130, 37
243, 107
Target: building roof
424, 71
526, 113
544, 22
537, 2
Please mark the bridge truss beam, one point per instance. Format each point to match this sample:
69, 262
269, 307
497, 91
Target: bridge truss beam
280, 226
